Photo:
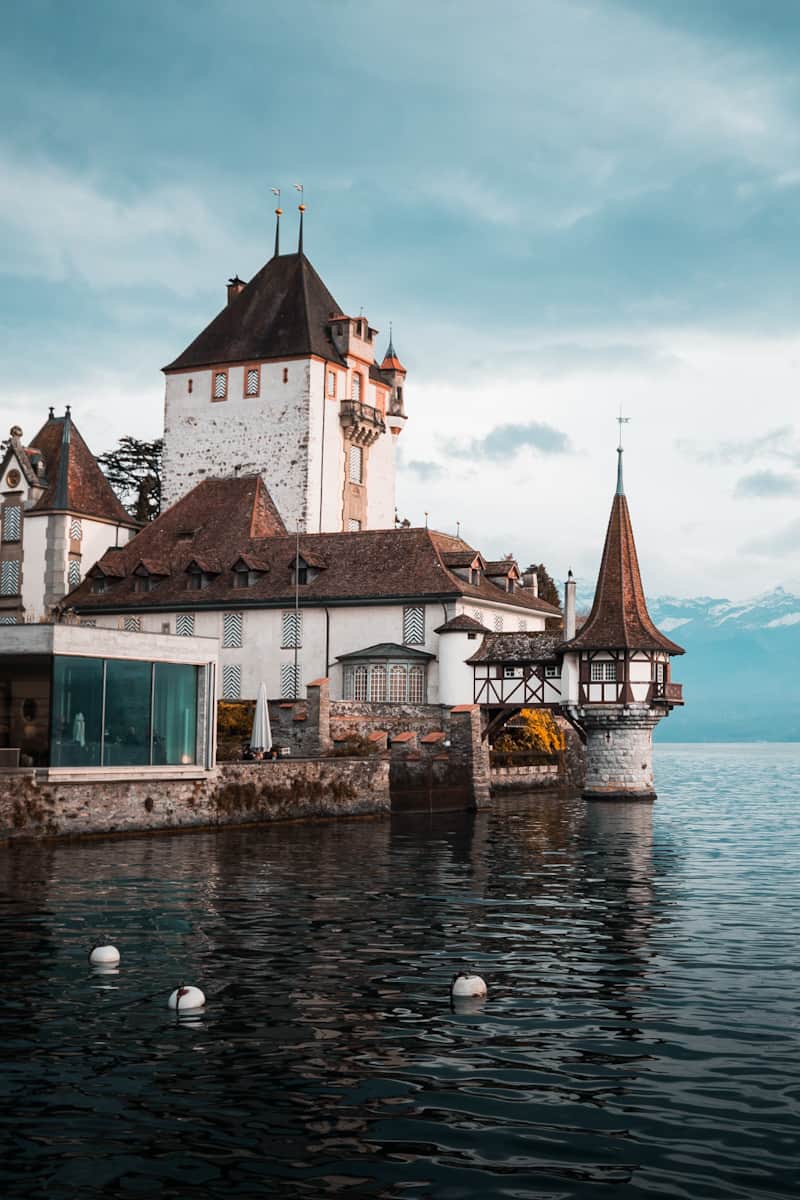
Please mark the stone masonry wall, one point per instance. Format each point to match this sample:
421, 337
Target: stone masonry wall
619, 752
234, 793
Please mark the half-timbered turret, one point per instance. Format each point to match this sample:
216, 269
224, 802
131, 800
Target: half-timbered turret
622, 687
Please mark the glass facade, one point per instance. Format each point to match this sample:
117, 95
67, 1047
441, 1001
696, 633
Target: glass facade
122, 713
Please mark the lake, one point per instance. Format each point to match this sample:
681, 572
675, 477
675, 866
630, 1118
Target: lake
640, 1035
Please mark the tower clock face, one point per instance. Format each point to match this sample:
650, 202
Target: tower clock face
12, 478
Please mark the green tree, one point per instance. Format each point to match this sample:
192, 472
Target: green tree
547, 588
134, 472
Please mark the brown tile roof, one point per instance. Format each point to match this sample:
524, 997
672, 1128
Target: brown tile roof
519, 647
284, 310
382, 564
73, 481
461, 624
619, 619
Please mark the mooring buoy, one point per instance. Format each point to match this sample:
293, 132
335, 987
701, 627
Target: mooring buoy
186, 999
467, 986
104, 956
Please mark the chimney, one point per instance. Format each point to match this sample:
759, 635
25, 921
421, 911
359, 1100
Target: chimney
569, 607
530, 579
235, 286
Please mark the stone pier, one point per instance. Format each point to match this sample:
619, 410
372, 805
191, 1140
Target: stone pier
619, 751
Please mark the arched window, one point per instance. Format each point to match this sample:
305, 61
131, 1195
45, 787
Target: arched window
397, 685
377, 685
416, 685
360, 683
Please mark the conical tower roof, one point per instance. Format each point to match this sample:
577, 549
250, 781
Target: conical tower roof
72, 480
619, 619
284, 311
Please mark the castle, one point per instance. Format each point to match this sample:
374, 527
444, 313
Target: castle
278, 540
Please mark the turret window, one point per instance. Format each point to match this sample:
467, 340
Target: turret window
356, 464
356, 392
220, 386
252, 381
604, 671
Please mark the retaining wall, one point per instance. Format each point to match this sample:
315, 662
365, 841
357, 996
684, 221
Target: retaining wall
231, 794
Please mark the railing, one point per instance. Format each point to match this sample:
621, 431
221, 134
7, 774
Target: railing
669, 693
353, 411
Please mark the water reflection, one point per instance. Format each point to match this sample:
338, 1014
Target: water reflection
329, 1059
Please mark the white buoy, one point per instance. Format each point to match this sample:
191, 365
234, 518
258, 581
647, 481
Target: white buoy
184, 999
104, 956
466, 986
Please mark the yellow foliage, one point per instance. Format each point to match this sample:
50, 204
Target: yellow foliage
537, 731
235, 718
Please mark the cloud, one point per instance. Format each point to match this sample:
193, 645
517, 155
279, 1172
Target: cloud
775, 443
783, 541
424, 471
504, 441
767, 484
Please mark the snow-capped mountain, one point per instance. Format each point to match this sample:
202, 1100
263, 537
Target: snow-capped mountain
740, 670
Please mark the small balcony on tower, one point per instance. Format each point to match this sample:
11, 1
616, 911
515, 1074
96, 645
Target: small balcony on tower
362, 423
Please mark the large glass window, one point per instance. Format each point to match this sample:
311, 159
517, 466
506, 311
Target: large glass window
174, 714
77, 725
120, 713
128, 694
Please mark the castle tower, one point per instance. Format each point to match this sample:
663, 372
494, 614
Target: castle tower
285, 383
619, 667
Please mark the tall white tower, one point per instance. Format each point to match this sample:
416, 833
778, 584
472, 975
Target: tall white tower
285, 383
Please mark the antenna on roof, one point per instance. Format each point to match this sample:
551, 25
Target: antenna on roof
299, 188
278, 214
458, 529
426, 520
622, 421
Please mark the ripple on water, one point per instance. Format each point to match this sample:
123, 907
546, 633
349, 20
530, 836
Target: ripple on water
640, 1035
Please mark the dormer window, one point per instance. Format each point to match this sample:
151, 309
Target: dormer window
475, 576
199, 577
244, 576
143, 583
99, 584
219, 387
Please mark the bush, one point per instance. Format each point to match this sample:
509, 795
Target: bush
235, 719
536, 731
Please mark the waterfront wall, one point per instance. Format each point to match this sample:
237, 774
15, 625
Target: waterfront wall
231, 794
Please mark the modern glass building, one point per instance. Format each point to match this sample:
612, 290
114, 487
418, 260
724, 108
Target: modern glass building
75, 698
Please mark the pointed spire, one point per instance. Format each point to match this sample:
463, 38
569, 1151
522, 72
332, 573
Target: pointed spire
390, 360
622, 421
302, 209
390, 347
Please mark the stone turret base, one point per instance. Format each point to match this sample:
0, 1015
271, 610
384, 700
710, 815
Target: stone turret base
619, 750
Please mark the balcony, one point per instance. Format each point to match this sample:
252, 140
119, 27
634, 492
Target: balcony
362, 423
668, 693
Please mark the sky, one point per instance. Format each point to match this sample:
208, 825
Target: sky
564, 208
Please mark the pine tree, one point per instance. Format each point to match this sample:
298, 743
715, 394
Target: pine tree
134, 472
547, 588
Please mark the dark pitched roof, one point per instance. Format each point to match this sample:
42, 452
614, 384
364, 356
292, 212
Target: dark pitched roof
386, 650
619, 619
72, 479
283, 311
461, 624
519, 647
235, 517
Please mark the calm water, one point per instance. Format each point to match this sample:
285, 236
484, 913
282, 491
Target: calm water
640, 1035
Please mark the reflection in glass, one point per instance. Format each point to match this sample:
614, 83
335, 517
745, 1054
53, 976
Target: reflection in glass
174, 714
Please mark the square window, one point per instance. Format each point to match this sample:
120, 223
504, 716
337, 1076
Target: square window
290, 681
604, 672
12, 523
292, 629
9, 578
184, 625
232, 682
414, 625
252, 381
220, 386
231, 630
552, 671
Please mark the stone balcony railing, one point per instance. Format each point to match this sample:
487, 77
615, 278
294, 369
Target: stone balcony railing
363, 423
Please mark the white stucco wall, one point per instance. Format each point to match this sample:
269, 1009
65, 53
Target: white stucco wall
99, 536
456, 676
381, 483
34, 542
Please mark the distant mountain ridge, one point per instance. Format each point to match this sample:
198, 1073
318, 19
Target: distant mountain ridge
740, 670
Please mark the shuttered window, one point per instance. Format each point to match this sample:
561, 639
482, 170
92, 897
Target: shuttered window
290, 680
356, 464
252, 381
231, 630
414, 625
8, 620
132, 624
12, 523
356, 386
74, 573
184, 625
292, 629
498, 623
9, 578
75, 529
231, 682
220, 389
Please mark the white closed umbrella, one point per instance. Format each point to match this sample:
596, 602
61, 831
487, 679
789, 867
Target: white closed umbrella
79, 729
261, 737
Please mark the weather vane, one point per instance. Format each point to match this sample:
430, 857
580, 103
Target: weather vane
621, 421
